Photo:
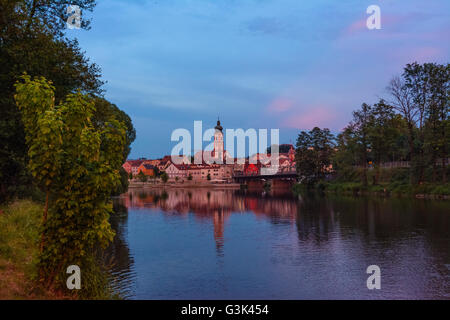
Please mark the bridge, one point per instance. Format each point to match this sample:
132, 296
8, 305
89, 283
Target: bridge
279, 175
280, 180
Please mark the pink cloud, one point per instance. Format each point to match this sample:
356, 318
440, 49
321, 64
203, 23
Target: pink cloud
280, 105
355, 27
419, 54
387, 22
318, 116
425, 54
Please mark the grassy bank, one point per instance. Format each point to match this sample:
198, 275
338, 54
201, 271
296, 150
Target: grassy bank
426, 190
19, 248
391, 182
19, 237
396, 189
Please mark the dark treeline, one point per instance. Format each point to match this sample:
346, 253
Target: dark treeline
412, 124
32, 40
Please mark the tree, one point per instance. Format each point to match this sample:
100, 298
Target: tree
313, 154
124, 183
164, 177
208, 177
142, 177
421, 96
77, 165
403, 104
130, 176
31, 40
436, 133
361, 122
104, 110
282, 148
346, 156
383, 132
157, 172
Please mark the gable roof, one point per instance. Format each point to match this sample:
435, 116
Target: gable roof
135, 163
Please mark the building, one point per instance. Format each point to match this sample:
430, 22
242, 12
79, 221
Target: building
218, 152
147, 169
251, 169
132, 166
175, 171
216, 156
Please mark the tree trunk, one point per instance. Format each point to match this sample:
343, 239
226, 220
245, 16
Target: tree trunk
411, 152
365, 167
44, 222
444, 169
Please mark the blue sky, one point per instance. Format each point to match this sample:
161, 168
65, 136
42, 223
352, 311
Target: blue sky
287, 64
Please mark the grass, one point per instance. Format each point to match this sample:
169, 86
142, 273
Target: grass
392, 182
19, 249
19, 237
393, 188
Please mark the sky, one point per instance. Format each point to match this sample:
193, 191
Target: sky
276, 64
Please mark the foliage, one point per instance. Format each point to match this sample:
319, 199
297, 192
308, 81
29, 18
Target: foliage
413, 126
123, 186
164, 177
19, 230
142, 177
421, 97
19, 247
31, 41
77, 163
314, 151
282, 148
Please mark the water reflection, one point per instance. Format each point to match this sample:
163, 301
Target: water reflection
117, 256
278, 246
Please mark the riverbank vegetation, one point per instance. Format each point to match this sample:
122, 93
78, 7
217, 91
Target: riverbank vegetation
398, 145
32, 40
63, 145
19, 250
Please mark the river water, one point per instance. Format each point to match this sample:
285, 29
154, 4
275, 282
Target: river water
231, 244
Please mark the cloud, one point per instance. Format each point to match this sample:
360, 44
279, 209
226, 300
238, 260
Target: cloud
355, 27
392, 24
316, 116
419, 54
264, 25
280, 105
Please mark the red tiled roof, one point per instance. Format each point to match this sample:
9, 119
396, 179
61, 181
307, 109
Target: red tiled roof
135, 163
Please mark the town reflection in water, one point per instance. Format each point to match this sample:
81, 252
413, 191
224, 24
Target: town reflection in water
214, 204
311, 238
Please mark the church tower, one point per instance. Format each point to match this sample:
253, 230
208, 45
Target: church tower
218, 142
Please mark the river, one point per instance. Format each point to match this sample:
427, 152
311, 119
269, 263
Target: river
231, 244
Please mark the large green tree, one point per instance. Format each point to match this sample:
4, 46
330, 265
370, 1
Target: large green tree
314, 151
32, 41
421, 96
76, 162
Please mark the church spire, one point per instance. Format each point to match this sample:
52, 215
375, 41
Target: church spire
218, 126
